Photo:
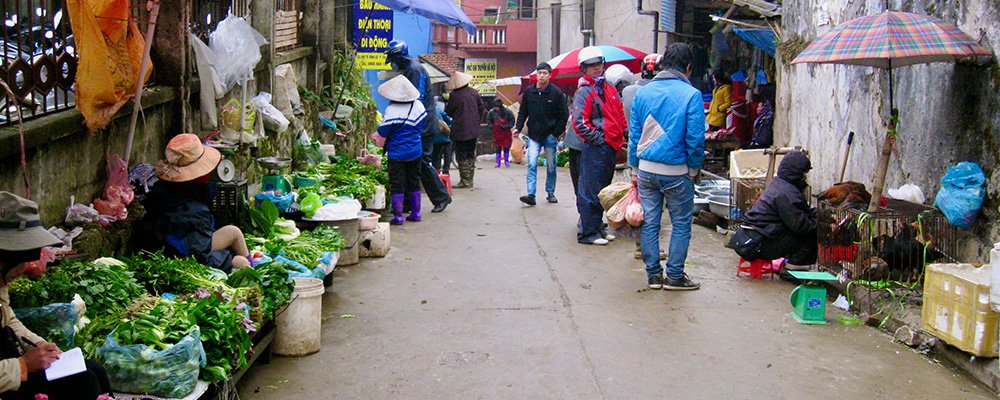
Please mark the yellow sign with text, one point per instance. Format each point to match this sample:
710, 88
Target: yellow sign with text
482, 70
371, 61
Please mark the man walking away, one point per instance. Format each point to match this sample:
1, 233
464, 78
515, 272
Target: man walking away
667, 146
599, 119
544, 109
466, 109
398, 55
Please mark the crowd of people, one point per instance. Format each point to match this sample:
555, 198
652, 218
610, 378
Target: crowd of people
660, 121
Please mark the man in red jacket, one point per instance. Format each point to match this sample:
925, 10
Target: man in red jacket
599, 119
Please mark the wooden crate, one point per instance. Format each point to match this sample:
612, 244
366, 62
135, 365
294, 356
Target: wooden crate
286, 29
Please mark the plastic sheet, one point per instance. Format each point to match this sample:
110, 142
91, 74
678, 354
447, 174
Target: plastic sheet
236, 47
54, 323
172, 372
273, 119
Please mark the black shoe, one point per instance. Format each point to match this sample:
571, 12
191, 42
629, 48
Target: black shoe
656, 282
441, 206
552, 198
684, 283
528, 199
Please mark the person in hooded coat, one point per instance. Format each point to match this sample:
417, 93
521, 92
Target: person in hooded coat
398, 55
781, 224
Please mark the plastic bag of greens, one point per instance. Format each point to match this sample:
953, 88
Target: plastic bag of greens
307, 151
137, 368
53, 322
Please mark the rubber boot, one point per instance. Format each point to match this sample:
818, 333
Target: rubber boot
498, 160
471, 166
506, 158
397, 208
414, 207
463, 173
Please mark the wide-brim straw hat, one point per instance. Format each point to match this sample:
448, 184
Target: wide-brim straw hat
399, 89
20, 227
187, 159
457, 80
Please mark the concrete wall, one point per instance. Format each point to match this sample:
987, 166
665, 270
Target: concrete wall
617, 22
949, 112
569, 23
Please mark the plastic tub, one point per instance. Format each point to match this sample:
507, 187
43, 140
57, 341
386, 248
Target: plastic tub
298, 329
720, 205
368, 220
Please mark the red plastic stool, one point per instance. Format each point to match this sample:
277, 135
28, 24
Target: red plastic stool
446, 180
757, 268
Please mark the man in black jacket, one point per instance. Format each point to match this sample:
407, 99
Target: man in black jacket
398, 55
544, 108
781, 223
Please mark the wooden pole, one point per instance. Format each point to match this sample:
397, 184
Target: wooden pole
847, 155
883, 162
137, 106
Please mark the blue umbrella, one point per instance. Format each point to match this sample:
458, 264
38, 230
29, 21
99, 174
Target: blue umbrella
445, 11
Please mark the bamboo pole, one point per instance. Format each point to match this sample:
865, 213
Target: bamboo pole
137, 106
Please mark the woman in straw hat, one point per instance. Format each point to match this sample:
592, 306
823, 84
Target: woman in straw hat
401, 127
178, 216
466, 109
24, 356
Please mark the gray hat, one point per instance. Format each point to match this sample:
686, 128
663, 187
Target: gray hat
20, 227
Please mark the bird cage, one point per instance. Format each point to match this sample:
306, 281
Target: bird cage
888, 248
745, 192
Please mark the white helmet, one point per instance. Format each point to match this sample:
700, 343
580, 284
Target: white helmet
590, 55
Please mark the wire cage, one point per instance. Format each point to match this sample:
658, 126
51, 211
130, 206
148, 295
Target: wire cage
888, 248
745, 192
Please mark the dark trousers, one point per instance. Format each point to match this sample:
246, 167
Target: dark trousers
429, 178
83, 386
597, 166
498, 149
441, 157
404, 176
795, 249
465, 149
574, 169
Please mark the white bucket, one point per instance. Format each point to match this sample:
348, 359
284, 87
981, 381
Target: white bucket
377, 201
298, 328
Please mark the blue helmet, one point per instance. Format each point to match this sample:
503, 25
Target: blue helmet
397, 48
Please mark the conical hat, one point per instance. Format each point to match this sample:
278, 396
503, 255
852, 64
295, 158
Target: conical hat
399, 89
458, 79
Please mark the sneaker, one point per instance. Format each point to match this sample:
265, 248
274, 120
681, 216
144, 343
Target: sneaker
552, 198
656, 282
609, 237
599, 242
528, 199
684, 283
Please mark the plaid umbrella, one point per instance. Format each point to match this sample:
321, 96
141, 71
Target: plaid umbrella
889, 40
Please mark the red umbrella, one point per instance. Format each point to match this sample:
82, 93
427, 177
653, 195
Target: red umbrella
889, 40
566, 67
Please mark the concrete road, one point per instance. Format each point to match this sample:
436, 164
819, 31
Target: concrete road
494, 300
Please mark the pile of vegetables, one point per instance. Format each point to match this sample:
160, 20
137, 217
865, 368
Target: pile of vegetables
161, 274
272, 280
305, 249
348, 177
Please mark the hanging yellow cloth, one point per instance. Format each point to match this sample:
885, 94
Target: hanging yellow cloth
110, 49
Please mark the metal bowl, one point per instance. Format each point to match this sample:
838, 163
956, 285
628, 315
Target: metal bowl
720, 192
274, 162
720, 205
700, 205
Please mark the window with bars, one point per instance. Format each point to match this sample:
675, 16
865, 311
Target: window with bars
521, 9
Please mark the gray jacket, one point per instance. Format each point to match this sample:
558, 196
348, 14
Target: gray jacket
629, 93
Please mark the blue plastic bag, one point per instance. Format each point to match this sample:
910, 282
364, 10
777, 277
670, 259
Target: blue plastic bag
281, 202
961, 195
53, 323
137, 368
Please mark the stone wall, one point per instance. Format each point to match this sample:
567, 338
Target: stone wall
949, 112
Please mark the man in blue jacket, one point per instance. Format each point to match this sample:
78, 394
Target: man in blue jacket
667, 147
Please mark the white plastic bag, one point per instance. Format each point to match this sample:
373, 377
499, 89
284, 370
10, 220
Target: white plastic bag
908, 192
286, 89
343, 209
236, 46
273, 120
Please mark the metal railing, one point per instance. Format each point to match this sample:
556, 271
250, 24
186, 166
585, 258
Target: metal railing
39, 59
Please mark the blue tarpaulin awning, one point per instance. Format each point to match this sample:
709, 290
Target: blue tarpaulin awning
765, 39
444, 11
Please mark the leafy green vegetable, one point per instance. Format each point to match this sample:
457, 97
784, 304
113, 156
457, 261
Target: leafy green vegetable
104, 288
56, 286
161, 274
272, 279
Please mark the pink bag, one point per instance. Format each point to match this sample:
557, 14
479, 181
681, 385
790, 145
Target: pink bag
117, 192
627, 210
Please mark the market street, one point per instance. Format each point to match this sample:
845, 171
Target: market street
495, 300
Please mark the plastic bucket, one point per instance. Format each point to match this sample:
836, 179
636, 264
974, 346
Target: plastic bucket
298, 328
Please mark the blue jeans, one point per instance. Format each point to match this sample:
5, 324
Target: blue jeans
678, 193
534, 148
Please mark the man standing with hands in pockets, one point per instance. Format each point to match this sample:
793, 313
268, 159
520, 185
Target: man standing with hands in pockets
667, 147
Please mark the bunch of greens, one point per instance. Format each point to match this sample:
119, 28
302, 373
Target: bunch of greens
262, 220
306, 249
106, 287
271, 279
56, 286
348, 177
562, 158
161, 274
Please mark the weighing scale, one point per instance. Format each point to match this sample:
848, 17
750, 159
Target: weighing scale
275, 181
809, 299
